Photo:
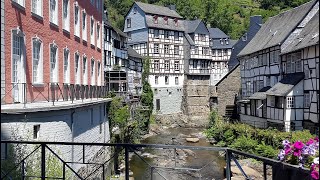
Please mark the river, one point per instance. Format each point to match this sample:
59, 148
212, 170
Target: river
211, 163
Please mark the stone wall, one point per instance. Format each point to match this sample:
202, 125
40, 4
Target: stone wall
227, 90
196, 96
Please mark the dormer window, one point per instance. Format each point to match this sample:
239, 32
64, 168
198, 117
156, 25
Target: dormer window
176, 22
226, 41
155, 19
165, 20
221, 41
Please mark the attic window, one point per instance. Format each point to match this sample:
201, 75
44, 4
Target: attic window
165, 20
176, 22
155, 19
134, 10
221, 41
226, 41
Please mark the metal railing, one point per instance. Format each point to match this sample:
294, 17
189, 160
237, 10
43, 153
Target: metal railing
230, 155
50, 92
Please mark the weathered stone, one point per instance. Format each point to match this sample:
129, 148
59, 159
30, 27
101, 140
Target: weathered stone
193, 140
249, 171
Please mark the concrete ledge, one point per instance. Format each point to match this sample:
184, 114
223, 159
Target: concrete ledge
48, 106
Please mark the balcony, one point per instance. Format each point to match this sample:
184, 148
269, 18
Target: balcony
28, 97
202, 71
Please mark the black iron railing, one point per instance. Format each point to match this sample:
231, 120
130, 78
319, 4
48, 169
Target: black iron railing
230, 155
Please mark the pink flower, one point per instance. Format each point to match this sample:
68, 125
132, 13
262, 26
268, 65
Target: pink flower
311, 141
298, 145
287, 151
316, 139
297, 153
315, 174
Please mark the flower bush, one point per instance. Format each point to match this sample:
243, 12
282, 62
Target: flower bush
303, 154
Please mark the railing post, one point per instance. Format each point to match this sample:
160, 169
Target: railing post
264, 171
228, 167
126, 162
43, 161
23, 170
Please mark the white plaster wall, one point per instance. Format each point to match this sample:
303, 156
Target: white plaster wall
161, 81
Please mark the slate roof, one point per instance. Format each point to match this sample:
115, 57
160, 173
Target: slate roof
191, 25
161, 24
308, 36
255, 24
261, 94
159, 10
283, 87
277, 29
107, 23
218, 45
133, 53
216, 33
189, 39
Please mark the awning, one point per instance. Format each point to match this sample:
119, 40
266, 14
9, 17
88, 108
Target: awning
261, 94
286, 84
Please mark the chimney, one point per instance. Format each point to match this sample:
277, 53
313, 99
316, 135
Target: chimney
255, 19
172, 7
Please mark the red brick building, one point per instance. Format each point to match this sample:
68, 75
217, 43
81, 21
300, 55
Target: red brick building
53, 50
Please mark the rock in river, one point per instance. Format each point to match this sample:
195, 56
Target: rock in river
193, 140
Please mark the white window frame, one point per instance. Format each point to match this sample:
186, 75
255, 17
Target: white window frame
98, 35
84, 25
84, 70
92, 33
54, 73
290, 102
166, 65
77, 78
77, 19
93, 71
54, 15
37, 7
156, 64
176, 66
19, 2
156, 49
39, 71
66, 19
167, 49
66, 65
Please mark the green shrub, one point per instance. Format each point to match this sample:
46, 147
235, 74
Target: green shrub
245, 144
266, 150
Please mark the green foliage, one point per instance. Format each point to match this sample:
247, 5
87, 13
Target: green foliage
231, 16
263, 142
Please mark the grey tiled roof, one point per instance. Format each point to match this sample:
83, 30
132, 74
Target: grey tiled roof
133, 53
216, 33
189, 39
261, 94
276, 29
159, 10
161, 25
308, 36
283, 87
108, 24
218, 45
191, 25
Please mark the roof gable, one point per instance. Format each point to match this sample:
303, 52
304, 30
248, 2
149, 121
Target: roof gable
158, 10
216, 33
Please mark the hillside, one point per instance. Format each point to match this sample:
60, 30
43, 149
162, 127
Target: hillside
231, 16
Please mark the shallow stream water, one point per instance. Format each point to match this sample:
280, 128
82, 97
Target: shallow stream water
210, 163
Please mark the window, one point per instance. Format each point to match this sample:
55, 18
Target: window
166, 65
129, 23
290, 102
195, 64
84, 25
156, 80
176, 36
37, 61
268, 81
196, 50
156, 64
272, 101
156, 48
84, 70
134, 10
77, 68
156, 33
93, 73
53, 63
176, 65
20, 2
54, 12
66, 66
166, 34
219, 52
158, 104
213, 52
226, 41
37, 7
98, 36
244, 37
248, 88
166, 49
307, 100
92, 40
155, 19
76, 20
176, 22
278, 101
176, 50
176, 80
221, 41
205, 50
166, 79
66, 15
165, 20
99, 74
36, 130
